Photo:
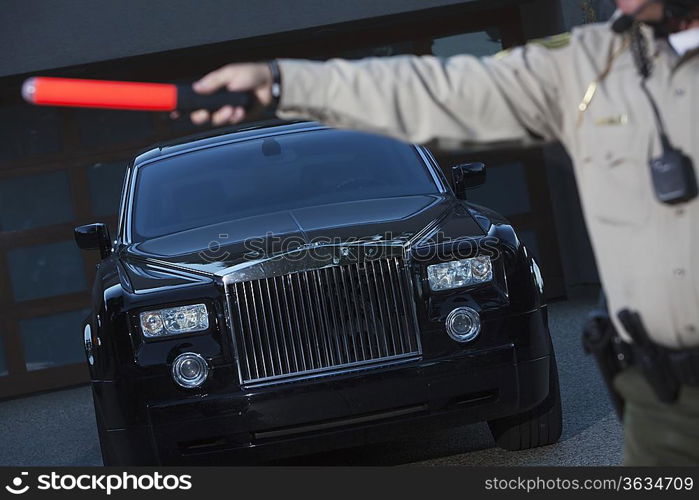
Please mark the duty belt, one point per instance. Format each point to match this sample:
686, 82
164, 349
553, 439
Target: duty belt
683, 363
665, 369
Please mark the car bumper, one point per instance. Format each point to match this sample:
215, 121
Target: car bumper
334, 412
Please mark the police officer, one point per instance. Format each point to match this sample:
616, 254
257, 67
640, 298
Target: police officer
623, 99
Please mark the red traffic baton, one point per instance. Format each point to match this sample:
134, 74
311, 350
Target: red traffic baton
135, 96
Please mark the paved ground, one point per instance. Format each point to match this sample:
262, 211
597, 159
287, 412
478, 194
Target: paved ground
59, 428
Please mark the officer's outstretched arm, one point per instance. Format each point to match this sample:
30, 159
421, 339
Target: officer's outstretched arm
454, 101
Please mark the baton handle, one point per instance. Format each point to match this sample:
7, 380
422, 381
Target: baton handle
188, 100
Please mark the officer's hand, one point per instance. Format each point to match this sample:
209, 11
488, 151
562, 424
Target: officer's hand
245, 77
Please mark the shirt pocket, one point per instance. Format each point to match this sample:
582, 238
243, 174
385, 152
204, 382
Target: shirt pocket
613, 174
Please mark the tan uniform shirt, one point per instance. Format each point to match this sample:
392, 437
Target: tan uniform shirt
647, 252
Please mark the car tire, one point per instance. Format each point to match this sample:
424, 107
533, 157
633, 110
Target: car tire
540, 426
105, 448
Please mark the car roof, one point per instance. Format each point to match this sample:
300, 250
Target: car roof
255, 130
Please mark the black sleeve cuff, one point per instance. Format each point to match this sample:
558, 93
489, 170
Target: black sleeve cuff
276, 83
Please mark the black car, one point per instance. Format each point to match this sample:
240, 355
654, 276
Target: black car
292, 288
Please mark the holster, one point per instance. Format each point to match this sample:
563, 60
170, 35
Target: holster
652, 359
611, 354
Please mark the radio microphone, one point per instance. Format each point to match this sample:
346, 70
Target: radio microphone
623, 23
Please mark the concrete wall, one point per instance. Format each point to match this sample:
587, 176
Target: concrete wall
40, 34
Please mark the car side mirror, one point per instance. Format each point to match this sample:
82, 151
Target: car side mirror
94, 237
467, 176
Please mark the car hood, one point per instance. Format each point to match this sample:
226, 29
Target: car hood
215, 248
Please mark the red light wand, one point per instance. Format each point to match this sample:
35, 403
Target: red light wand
135, 96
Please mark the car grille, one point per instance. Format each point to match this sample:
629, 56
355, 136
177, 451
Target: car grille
328, 319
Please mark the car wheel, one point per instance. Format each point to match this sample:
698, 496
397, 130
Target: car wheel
539, 426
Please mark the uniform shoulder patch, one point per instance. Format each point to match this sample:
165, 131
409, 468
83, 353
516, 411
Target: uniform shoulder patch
550, 42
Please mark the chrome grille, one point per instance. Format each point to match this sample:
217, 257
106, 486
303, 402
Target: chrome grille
317, 320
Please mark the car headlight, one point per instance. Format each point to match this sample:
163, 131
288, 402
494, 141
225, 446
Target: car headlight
460, 273
175, 320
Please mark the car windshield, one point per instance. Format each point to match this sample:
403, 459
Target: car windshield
272, 174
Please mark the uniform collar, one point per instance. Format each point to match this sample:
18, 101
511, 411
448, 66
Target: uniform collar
684, 41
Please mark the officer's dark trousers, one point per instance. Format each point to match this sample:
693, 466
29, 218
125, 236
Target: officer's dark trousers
656, 433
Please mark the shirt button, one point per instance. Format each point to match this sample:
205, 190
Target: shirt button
679, 272
679, 92
679, 211
691, 328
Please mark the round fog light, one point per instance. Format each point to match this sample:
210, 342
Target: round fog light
463, 324
189, 370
